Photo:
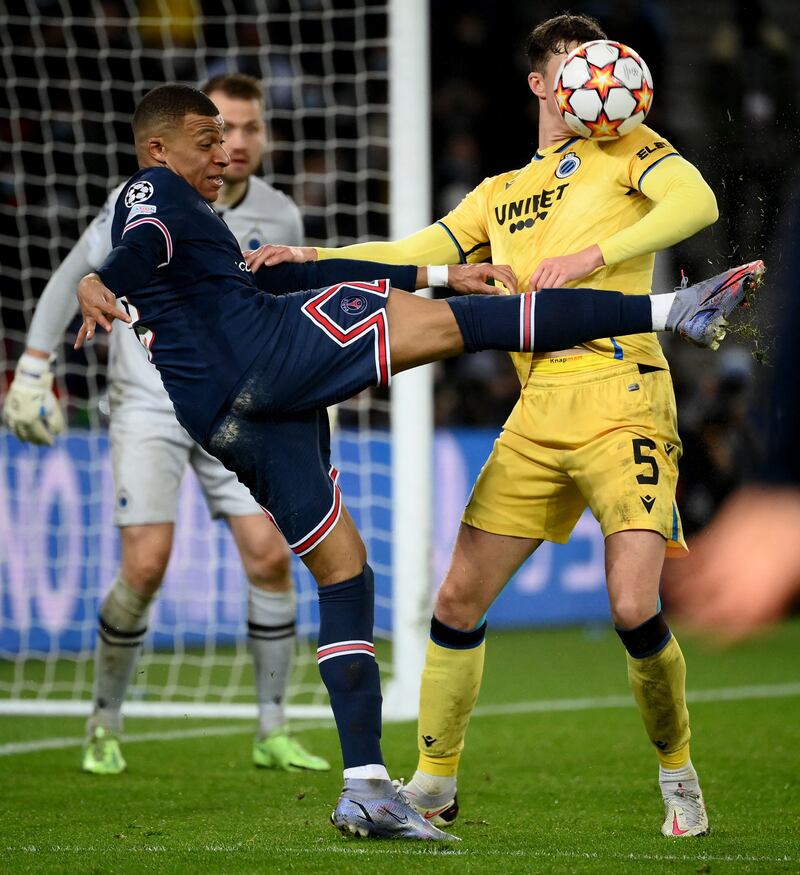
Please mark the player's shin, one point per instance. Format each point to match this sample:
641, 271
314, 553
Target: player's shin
549, 320
346, 657
451, 680
122, 624
657, 676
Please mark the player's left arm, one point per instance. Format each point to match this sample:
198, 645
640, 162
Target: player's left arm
466, 279
683, 205
432, 245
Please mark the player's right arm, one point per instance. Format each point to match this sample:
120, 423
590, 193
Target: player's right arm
31, 410
460, 237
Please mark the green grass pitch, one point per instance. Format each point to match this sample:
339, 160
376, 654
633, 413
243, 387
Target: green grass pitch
557, 777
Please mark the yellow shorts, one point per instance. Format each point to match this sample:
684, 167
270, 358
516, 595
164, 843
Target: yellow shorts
586, 431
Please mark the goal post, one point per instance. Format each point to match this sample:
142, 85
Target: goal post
348, 110
412, 391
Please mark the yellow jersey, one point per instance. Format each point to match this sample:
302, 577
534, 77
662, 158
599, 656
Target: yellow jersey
570, 196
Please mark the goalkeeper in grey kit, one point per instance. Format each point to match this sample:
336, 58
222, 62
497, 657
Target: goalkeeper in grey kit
150, 451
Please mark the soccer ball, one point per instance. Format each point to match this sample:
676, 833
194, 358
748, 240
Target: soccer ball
603, 90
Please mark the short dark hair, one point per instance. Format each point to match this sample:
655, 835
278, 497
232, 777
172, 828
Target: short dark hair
239, 86
550, 36
170, 103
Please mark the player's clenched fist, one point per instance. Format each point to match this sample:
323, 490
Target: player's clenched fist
98, 306
31, 409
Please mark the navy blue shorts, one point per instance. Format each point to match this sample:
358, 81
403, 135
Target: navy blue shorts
325, 346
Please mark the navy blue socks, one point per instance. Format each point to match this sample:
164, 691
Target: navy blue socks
649, 638
346, 658
549, 320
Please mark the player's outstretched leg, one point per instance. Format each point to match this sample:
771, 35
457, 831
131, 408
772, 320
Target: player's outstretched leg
699, 312
423, 331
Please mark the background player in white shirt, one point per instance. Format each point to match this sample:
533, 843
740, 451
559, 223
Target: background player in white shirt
150, 452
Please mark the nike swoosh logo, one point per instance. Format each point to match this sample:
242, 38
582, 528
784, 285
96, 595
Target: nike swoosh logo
397, 817
429, 815
676, 830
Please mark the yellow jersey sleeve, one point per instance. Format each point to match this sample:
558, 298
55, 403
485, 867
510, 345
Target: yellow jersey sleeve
683, 201
467, 224
684, 204
431, 245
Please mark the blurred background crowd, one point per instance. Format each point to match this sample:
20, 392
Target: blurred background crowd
725, 73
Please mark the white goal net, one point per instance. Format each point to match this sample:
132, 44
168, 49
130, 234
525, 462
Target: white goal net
72, 74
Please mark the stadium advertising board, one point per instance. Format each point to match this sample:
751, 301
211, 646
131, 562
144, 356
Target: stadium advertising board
58, 547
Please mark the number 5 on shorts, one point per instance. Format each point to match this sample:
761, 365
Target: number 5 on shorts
641, 458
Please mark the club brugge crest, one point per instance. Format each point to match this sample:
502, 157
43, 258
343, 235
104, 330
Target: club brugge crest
567, 165
353, 304
138, 192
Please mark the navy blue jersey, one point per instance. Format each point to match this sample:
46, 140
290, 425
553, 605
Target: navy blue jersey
198, 309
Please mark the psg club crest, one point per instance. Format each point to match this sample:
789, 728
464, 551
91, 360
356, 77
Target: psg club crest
353, 304
138, 192
567, 165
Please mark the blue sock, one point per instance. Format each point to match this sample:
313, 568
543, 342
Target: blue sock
549, 320
346, 658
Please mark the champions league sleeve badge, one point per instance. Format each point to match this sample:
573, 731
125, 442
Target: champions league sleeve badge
138, 192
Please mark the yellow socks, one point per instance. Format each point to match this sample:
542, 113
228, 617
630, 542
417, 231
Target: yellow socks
451, 681
657, 676
658, 683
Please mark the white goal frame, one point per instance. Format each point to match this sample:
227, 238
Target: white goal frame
411, 416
